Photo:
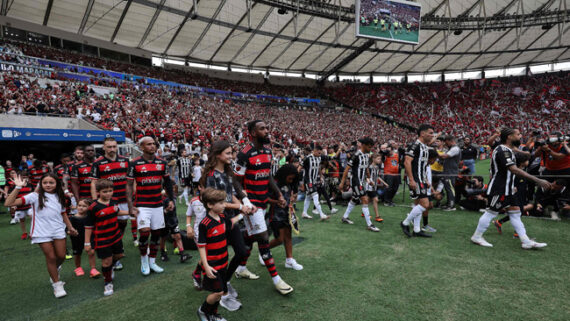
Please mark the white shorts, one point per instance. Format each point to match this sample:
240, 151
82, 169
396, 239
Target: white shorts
123, 207
22, 214
152, 217
41, 239
255, 223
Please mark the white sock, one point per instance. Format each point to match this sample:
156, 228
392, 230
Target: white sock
415, 212
348, 209
240, 268
151, 260
518, 225
289, 260
225, 296
144, 258
366, 214
318, 205
276, 279
484, 222
185, 194
307, 204
417, 222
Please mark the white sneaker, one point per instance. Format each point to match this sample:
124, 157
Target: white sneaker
13, 221
315, 212
108, 289
479, 240
231, 291
261, 260
58, 289
530, 244
292, 264
145, 268
136, 243
230, 303
155, 268
246, 274
373, 228
307, 216
334, 210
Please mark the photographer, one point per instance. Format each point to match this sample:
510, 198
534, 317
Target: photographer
469, 154
391, 161
450, 171
475, 195
555, 155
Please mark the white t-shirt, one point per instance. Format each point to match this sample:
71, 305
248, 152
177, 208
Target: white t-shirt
197, 210
429, 179
48, 221
197, 173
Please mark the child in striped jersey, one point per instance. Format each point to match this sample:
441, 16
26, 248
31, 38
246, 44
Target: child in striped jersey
374, 170
197, 210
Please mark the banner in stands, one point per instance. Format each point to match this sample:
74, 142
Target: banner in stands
43, 134
25, 69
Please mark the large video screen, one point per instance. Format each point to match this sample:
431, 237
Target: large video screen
388, 20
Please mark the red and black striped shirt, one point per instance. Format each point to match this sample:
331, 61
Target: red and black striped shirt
102, 218
60, 170
82, 172
149, 177
212, 236
115, 171
255, 167
25, 190
36, 174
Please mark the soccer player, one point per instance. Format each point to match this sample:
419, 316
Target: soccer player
102, 222
48, 223
81, 175
358, 166
184, 166
501, 190
253, 170
213, 249
36, 172
375, 23
114, 167
150, 174
312, 167
416, 163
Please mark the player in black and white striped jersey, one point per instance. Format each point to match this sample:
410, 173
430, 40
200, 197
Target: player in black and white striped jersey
311, 178
501, 190
358, 165
184, 167
416, 163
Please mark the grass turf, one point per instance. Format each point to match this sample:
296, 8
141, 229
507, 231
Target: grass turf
412, 36
350, 274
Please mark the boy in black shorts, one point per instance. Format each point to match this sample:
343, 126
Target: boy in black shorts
171, 228
213, 248
102, 222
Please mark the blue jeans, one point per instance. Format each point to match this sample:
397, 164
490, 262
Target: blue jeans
470, 163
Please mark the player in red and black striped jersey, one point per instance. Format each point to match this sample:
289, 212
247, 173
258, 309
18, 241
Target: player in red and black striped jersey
253, 171
150, 174
102, 223
81, 175
61, 170
114, 168
213, 248
37, 171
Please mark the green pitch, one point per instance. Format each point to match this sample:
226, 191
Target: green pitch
350, 274
370, 30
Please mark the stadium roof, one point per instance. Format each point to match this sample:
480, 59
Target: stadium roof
319, 37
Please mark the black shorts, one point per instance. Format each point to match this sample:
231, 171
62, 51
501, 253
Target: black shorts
310, 188
215, 285
420, 191
171, 225
498, 202
358, 191
371, 194
78, 243
186, 181
109, 251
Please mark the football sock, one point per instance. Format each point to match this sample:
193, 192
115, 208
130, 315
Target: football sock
415, 212
366, 214
185, 194
307, 204
484, 222
267, 258
425, 220
276, 279
122, 226
349, 208
134, 227
417, 221
143, 242
518, 225
154, 240
107, 273
198, 269
505, 219
318, 204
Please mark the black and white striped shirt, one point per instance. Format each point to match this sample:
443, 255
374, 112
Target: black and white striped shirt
312, 166
502, 180
274, 165
359, 165
374, 173
419, 152
184, 165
